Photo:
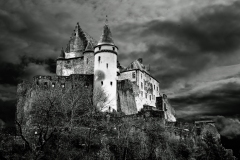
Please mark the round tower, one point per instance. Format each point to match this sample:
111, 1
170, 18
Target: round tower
105, 69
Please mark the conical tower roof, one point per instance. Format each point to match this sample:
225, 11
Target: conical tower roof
89, 47
106, 35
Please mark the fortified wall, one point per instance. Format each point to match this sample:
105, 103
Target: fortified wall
26, 90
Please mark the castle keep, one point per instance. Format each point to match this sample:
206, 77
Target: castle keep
129, 89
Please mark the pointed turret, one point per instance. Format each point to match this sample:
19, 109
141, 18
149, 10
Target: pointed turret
106, 35
89, 47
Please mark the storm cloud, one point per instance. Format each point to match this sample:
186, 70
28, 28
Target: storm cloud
192, 47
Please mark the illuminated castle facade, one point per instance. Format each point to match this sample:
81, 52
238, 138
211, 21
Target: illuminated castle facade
84, 56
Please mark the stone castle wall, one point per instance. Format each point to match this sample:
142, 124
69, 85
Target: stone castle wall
125, 97
78, 65
26, 90
89, 62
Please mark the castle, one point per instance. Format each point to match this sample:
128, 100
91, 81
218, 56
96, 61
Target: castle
95, 64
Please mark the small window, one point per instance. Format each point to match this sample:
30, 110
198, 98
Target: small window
101, 82
154, 86
53, 85
63, 85
165, 107
99, 58
145, 95
157, 88
114, 48
87, 60
141, 75
99, 47
150, 97
133, 75
142, 93
141, 85
111, 83
107, 65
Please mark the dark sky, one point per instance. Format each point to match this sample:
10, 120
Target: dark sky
193, 47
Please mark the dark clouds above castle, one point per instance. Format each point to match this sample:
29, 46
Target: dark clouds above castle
193, 47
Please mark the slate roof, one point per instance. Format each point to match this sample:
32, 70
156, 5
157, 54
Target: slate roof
106, 36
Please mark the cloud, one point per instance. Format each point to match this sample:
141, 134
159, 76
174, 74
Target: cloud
228, 127
213, 98
184, 41
181, 49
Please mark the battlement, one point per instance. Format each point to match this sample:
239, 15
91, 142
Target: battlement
64, 81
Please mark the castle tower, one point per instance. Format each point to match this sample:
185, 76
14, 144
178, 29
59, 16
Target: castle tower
89, 59
105, 68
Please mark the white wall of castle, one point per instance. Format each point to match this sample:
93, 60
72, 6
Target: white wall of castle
105, 72
72, 55
148, 87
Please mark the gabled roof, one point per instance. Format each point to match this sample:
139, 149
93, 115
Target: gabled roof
137, 64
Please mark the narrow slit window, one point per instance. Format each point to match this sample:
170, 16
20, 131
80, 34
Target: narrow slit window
107, 65
99, 47
87, 60
111, 83
133, 75
101, 82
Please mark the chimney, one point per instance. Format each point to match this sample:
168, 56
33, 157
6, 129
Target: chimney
140, 60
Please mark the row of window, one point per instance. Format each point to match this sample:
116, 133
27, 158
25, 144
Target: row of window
150, 96
142, 86
110, 83
134, 76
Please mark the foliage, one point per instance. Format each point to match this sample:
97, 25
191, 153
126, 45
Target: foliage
70, 125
